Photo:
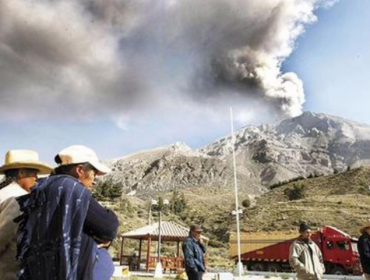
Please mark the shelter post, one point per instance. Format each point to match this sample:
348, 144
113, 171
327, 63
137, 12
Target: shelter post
148, 253
121, 257
140, 246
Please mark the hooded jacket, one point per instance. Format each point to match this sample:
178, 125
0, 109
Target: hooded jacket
309, 266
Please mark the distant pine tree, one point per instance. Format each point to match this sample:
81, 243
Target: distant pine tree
297, 192
107, 190
178, 202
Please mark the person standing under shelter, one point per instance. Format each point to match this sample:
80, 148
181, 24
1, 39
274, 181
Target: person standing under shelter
305, 256
20, 169
363, 245
194, 249
65, 231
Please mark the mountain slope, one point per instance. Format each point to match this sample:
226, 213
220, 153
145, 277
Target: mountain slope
341, 200
308, 144
160, 170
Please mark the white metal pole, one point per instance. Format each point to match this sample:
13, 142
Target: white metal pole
158, 269
150, 214
239, 266
159, 237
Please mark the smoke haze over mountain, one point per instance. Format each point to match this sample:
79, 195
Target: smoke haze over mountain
85, 59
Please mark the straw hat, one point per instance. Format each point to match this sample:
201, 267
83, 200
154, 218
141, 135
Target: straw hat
16, 159
367, 225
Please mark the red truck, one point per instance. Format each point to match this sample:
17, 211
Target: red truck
270, 251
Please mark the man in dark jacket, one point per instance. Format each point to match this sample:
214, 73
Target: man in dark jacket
64, 230
364, 250
194, 249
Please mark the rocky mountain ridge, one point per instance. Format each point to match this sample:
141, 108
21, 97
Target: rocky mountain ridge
163, 169
308, 144
266, 154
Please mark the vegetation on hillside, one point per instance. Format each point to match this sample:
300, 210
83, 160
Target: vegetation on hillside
297, 191
107, 190
341, 200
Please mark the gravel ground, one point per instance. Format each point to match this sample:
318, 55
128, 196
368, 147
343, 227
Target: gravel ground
118, 275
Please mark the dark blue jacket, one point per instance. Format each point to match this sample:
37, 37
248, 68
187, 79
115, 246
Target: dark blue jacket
57, 234
193, 254
363, 245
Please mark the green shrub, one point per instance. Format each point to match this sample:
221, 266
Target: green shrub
178, 202
246, 203
107, 190
282, 183
296, 192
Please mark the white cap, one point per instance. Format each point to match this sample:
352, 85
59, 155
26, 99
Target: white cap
79, 154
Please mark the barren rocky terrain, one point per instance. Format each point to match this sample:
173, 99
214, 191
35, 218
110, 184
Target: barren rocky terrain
325, 158
311, 144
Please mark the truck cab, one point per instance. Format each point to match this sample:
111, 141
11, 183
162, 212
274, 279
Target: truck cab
269, 251
339, 251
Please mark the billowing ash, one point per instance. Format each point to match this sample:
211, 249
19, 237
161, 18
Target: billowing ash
91, 57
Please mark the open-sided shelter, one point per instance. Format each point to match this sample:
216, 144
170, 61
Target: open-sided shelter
170, 232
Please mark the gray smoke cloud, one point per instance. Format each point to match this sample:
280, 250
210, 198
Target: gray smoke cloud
84, 59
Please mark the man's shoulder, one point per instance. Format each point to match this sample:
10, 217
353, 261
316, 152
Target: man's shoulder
364, 237
60, 184
297, 243
59, 180
12, 190
9, 203
315, 245
188, 240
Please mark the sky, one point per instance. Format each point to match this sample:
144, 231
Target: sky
122, 76
332, 59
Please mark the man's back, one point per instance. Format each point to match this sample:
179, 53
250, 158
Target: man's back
51, 230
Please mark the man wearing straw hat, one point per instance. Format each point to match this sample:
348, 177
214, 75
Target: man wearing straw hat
64, 231
364, 249
20, 168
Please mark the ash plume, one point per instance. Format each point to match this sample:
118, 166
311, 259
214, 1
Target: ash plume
84, 59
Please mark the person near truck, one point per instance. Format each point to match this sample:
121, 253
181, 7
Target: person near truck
194, 249
363, 245
305, 256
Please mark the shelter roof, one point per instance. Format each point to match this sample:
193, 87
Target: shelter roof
170, 231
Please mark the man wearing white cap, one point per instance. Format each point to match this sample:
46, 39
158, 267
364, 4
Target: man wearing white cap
64, 226
20, 168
